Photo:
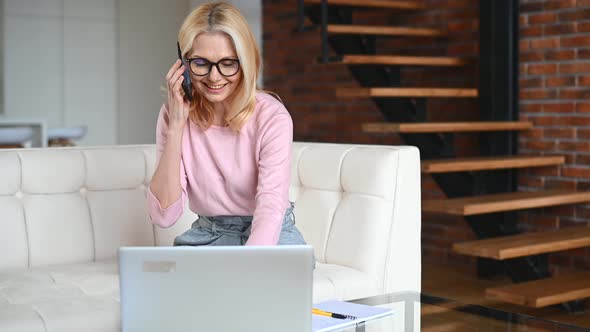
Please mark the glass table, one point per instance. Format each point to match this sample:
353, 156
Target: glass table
420, 312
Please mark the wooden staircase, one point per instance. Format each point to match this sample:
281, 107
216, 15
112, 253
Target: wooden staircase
349, 29
536, 293
380, 4
401, 60
488, 163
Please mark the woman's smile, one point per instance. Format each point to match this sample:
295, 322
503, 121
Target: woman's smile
215, 88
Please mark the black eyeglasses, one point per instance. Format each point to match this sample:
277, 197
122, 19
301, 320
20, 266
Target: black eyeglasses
202, 66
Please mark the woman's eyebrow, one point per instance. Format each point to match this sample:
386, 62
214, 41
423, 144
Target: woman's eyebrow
195, 56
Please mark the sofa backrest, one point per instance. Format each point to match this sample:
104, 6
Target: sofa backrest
359, 206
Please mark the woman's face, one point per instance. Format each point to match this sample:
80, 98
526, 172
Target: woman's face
214, 47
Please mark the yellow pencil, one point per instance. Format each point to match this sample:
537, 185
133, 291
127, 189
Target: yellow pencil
331, 314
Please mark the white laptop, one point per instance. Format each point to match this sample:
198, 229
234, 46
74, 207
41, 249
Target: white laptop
216, 289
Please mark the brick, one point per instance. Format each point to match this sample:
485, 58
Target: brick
576, 15
560, 184
542, 69
583, 186
583, 133
582, 159
531, 31
560, 211
561, 55
531, 82
462, 26
544, 171
538, 94
584, 80
532, 56
574, 146
545, 43
534, 133
531, 108
576, 172
583, 26
574, 93
583, 107
562, 120
531, 182
539, 145
463, 49
559, 29
542, 18
583, 53
559, 108
559, 4
557, 81
575, 41
574, 68
531, 7
566, 133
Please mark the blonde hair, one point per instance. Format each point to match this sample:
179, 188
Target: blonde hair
224, 17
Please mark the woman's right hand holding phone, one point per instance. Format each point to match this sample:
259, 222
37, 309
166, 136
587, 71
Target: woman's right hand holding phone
178, 107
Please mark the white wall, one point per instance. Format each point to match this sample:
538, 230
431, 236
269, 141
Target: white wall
148, 30
99, 63
60, 61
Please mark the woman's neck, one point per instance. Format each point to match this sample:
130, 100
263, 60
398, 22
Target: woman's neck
220, 111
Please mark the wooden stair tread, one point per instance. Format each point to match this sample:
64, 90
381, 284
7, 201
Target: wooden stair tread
445, 127
488, 163
407, 5
473, 205
384, 30
406, 92
403, 60
544, 292
520, 245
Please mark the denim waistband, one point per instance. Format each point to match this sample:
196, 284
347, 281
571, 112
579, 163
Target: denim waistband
237, 225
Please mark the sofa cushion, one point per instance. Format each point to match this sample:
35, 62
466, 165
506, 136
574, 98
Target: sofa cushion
338, 282
71, 297
77, 297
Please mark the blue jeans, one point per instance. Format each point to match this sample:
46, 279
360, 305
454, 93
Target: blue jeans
234, 231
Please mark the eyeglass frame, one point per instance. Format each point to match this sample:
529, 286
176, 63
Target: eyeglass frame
211, 64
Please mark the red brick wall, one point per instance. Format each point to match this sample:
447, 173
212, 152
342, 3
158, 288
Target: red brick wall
554, 95
554, 82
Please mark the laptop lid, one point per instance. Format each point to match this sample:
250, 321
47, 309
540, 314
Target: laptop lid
216, 288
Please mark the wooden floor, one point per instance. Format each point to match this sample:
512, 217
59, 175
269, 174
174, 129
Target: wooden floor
461, 284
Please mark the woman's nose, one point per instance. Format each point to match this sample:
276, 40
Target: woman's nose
214, 74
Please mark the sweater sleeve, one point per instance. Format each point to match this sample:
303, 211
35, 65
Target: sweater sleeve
167, 216
272, 191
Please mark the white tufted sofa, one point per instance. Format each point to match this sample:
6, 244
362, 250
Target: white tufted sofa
64, 213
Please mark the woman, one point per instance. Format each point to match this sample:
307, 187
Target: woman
231, 143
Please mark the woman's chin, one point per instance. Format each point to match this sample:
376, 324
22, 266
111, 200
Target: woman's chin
215, 98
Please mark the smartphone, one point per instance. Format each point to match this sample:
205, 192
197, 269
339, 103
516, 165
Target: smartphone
186, 84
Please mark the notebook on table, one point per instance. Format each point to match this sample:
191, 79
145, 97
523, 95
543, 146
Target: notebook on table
358, 313
216, 289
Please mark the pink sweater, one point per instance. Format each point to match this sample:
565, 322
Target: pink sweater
228, 173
